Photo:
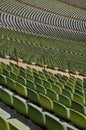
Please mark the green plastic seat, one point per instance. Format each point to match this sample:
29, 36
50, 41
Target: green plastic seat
1, 70
30, 77
4, 125
3, 79
38, 80
33, 95
78, 98
6, 96
20, 105
23, 72
16, 70
51, 80
78, 91
21, 80
40, 89
78, 106
67, 93
11, 84
21, 89
30, 84
45, 102
53, 123
51, 94
61, 110
64, 100
78, 119
35, 114
13, 76
60, 85
15, 124
57, 89
6, 72
47, 84
9, 67
2, 64
69, 88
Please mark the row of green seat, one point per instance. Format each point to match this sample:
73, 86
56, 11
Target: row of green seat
78, 89
55, 93
22, 106
8, 123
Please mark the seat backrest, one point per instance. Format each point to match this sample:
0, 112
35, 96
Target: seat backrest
35, 114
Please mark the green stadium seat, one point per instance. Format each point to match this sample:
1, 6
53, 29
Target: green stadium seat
15, 124
40, 89
61, 110
47, 84
13, 76
35, 114
60, 85
30, 84
69, 88
62, 81
21, 80
6, 96
37, 80
78, 119
6, 72
16, 70
64, 100
33, 95
30, 77
23, 73
21, 89
4, 125
9, 67
51, 94
54, 79
78, 98
57, 89
51, 80
1, 70
67, 93
53, 123
11, 84
3, 79
78, 91
71, 85
2, 64
78, 106
45, 102
20, 105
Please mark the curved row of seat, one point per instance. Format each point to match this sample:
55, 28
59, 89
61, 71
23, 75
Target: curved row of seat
31, 26
33, 111
56, 7
57, 55
41, 16
49, 97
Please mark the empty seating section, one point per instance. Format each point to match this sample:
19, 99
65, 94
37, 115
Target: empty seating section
52, 6
50, 34
43, 25
56, 55
32, 99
